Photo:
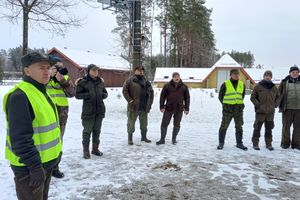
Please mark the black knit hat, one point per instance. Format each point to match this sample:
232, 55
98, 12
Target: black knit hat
234, 71
268, 72
294, 68
33, 57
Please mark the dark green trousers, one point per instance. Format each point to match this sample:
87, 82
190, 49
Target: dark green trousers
91, 126
132, 117
230, 112
26, 192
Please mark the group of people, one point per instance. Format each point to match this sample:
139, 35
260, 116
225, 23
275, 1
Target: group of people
36, 113
265, 97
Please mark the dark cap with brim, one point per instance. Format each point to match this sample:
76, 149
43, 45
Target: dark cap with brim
234, 71
92, 67
32, 58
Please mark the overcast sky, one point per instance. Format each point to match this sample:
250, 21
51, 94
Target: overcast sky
268, 28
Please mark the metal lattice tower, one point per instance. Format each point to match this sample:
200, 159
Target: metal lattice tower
134, 8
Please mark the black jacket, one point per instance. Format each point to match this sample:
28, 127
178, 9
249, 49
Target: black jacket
175, 97
92, 91
20, 116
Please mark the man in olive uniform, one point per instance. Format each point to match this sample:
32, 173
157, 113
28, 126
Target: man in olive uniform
60, 88
265, 98
138, 93
92, 90
231, 95
289, 90
33, 143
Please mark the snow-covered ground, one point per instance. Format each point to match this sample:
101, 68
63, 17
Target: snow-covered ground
192, 169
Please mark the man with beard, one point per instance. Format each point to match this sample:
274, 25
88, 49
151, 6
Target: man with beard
265, 98
138, 93
289, 90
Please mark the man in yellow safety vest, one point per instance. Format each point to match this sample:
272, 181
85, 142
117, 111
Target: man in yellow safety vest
60, 88
33, 142
231, 95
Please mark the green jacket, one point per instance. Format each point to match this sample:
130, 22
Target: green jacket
133, 89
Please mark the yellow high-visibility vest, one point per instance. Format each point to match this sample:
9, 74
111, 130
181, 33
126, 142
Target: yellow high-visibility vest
45, 125
56, 93
233, 96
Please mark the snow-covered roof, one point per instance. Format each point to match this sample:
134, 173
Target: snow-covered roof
278, 74
187, 74
104, 61
226, 61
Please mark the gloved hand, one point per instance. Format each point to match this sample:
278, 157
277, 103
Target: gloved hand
37, 177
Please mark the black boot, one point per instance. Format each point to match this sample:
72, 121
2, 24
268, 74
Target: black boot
221, 140
163, 133
57, 173
130, 139
144, 137
86, 151
95, 150
239, 141
174, 134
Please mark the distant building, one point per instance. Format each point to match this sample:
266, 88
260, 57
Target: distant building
205, 77
113, 69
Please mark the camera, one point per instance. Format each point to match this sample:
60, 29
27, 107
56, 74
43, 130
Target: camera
62, 70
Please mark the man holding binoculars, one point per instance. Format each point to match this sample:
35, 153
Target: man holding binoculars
59, 88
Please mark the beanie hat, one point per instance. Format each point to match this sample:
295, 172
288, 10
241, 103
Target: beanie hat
33, 57
268, 73
234, 71
294, 68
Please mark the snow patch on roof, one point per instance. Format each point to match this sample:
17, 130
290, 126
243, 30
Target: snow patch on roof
278, 74
104, 61
197, 75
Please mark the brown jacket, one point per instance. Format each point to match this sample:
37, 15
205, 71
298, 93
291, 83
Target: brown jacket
175, 98
133, 89
265, 97
282, 92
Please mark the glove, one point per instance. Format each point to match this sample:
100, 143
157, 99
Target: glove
37, 177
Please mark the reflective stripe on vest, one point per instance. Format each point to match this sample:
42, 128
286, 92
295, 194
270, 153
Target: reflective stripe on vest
233, 96
56, 93
46, 135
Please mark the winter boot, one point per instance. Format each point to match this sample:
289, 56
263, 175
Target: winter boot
270, 147
86, 151
96, 151
239, 141
221, 141
57, 173
144, 137
174, 134
256, 147
255, 144
130, 139
163, 132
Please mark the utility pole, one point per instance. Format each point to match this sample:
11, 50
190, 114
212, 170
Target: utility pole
134, 9
137, 33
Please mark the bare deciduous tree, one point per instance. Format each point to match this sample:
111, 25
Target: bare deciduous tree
51, 15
